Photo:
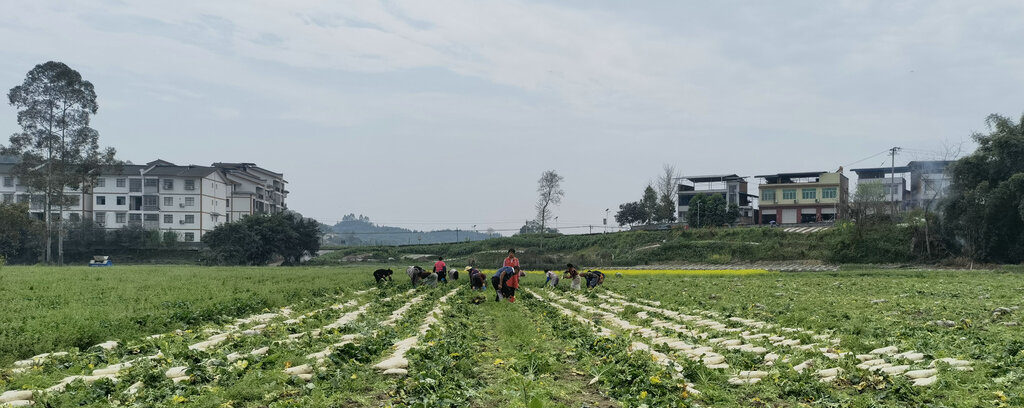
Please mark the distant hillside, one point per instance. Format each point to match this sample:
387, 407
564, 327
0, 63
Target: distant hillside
359, 231
719, 246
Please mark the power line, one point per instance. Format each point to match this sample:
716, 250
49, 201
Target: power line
869, 157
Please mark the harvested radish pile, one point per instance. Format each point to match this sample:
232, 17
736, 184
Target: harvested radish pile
658, 340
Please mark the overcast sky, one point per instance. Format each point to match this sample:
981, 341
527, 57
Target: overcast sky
440, 113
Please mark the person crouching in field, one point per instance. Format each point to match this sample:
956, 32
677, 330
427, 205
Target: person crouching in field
441, 269
552, 278
382, 275
477, 280
572, 273
496, 282
417, 275
510, 282
593, 278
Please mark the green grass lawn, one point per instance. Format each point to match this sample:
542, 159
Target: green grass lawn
47, 309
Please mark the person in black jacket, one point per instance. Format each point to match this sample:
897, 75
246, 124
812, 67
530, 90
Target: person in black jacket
382, 275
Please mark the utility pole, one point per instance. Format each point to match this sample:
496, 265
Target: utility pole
892, 180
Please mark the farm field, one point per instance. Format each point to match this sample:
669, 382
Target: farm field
329, 337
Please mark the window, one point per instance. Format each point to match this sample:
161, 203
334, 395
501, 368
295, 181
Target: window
168, 184
134, 217
190, 185
190, 201
8, 198
152, 218
168, 201
119, 182
122, 200
809, 193
8, 181
101, 182
151, 182
828, 192
135, 185
75, 217
190, 219
168, 219
789, 194
73, 201
101, 200
768, 195
190, 236
149, 201
100, 217
119, 218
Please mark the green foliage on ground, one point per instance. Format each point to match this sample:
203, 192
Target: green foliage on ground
866, 309
52, 308
522, 354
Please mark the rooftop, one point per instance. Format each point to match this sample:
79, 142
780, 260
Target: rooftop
712, 178
793, 175
872, 171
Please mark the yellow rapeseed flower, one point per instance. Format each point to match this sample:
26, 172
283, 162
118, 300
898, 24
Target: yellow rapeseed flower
177, 399
687, 271
655, 380
643, 394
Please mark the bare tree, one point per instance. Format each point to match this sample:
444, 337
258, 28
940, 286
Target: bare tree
549, 187
666, 184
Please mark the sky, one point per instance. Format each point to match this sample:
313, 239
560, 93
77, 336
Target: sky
444, 114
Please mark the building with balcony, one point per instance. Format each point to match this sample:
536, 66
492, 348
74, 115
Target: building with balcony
188, 200
800, 198
732, 187
893, 184
254, 190
926, 187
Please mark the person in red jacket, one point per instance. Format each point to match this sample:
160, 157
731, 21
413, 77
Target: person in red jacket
510, 275
441, 269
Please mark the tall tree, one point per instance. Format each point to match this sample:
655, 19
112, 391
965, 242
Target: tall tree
58, 150
985, 212
649, 204
549, 189
666, 208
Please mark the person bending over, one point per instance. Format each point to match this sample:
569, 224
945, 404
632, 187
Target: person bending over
593, 278
552, 278
572, 273
382, 275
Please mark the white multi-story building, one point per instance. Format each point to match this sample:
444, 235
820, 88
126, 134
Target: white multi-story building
254, 190
188, 200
